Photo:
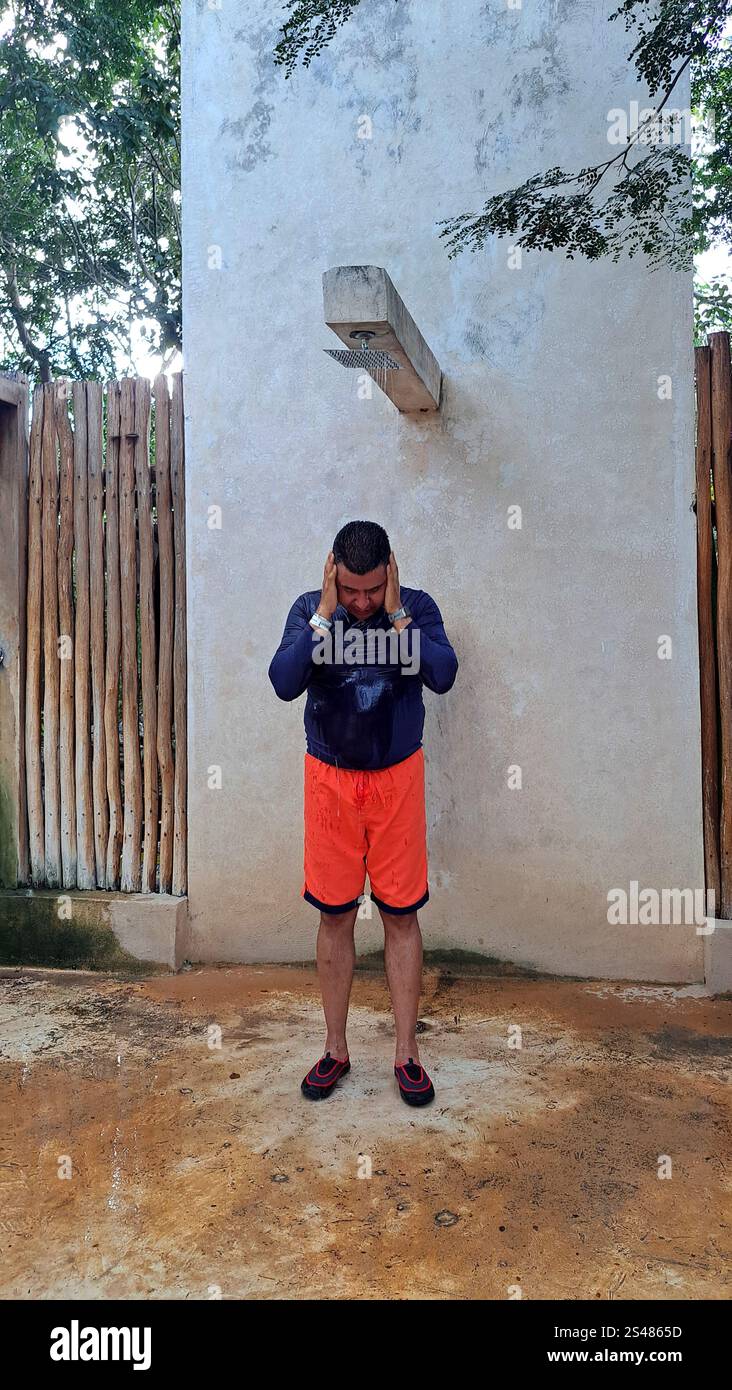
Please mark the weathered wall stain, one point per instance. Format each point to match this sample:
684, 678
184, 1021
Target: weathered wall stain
33, 933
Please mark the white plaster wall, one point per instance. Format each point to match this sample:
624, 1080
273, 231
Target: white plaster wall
550, 403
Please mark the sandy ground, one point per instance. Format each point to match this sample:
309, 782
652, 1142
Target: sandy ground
154, 1142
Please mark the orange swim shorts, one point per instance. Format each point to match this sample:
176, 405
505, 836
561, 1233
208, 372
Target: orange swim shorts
357, 820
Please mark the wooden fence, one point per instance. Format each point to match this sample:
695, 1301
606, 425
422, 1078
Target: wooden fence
105, 707
714, 592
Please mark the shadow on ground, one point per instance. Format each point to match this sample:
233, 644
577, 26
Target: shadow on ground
155, 1144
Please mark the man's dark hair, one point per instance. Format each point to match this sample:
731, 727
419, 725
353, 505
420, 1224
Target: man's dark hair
361, 546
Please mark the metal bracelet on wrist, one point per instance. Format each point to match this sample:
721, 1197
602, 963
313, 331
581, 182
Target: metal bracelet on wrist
399, 613
317, 620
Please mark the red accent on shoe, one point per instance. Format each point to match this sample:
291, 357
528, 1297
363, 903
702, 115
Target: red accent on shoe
415, 1083
325, 1074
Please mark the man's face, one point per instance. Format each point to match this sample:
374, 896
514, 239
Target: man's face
362, 595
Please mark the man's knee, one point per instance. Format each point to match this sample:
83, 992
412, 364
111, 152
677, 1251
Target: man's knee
339, 919
397, 921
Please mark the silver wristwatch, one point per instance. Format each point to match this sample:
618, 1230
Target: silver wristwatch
317, 620
400, 613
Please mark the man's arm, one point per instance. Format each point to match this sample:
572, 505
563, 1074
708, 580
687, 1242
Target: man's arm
438, 664
292, 664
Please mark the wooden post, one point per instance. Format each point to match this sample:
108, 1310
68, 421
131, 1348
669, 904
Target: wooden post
51, 661
707, 637
34, 640
96, 623
166, 561
131, 862
177, 473
148, 662
114, 641
14, 852
722, 465
66, 628
86, 867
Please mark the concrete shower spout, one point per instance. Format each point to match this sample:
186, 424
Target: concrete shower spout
367, 313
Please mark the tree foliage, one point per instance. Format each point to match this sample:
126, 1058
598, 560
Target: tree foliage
90, 199
311, 26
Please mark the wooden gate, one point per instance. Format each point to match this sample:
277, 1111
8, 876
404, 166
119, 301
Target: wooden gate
105, 639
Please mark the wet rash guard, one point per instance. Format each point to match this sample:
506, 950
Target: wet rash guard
369, 714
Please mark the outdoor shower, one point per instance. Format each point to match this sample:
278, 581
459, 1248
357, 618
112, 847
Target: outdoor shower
365, 311
368, 359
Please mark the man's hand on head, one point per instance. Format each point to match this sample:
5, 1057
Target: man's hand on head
392, 597
328, 593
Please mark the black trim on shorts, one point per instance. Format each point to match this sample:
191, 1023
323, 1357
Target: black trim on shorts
401, 911
328, 907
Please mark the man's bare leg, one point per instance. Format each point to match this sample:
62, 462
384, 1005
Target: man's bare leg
403, 965
336, 955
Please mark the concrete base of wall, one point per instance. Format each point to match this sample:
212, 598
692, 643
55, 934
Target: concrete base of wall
718, 958
88, 930
92, 930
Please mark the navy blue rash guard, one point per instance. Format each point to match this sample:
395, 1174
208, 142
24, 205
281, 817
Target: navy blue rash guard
366, 715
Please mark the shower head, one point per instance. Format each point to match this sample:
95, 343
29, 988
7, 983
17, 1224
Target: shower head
368, 359
363, 307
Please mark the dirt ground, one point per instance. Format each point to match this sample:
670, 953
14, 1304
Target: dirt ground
154, 1142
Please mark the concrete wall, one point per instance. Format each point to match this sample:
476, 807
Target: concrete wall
550, 403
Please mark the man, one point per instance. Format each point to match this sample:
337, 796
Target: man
363, 647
